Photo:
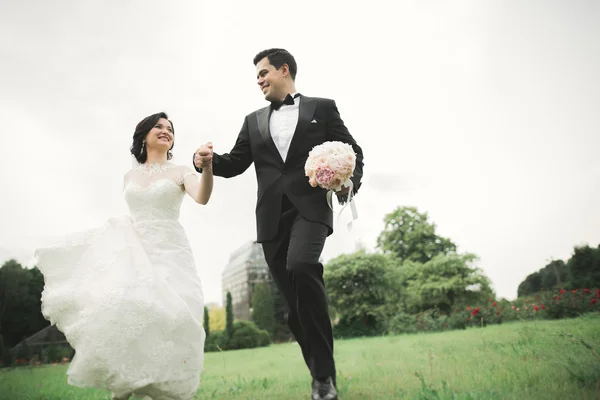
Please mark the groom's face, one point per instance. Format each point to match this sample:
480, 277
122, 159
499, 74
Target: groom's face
270, 80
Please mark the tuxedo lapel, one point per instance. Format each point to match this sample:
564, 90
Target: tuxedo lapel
262, 117
307, 109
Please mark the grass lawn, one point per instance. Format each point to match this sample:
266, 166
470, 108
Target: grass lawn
525, 361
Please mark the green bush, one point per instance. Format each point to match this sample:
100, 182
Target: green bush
453, 322
357, 327
402, 323
545, 305
215, 342
264, 339
571, 303
430, 321
246, 335
426, 321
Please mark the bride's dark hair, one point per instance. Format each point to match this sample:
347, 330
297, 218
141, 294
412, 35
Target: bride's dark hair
138, 150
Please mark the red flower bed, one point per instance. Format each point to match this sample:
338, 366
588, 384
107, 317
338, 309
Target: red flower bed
548, 305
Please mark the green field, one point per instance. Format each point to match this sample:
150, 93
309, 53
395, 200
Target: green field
528, 360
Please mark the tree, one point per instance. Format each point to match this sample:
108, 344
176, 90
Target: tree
229, 317
446, 280
584, 267
532, 284
358, 286
20, 302
217, 319
206, 322
553, 275
561, 275
410, 236
263, 310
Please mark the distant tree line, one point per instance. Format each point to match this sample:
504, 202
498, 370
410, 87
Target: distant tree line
581, 270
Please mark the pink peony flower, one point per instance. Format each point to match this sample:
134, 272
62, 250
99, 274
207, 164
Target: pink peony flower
324, 176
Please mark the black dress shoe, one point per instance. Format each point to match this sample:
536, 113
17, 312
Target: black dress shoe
323, 390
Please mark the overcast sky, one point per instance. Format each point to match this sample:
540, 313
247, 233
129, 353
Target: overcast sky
483, 114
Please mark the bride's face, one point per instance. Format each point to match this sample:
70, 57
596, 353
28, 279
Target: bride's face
160, 136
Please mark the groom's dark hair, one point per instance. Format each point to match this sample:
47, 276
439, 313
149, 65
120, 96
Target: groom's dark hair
278, 57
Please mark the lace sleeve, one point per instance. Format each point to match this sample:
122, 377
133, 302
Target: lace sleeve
185, 172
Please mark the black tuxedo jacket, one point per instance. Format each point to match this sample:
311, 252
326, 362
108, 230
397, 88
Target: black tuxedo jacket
318, 121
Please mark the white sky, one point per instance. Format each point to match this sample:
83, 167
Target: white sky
484, 114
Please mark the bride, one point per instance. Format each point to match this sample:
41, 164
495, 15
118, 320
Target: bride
127, 296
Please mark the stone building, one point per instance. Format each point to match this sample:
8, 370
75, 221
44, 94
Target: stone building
246, 268
47, 345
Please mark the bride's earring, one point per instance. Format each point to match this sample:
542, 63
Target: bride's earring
143, 146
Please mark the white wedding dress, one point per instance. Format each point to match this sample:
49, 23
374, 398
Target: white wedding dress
127, 296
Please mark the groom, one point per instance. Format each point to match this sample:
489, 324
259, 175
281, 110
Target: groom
293, 218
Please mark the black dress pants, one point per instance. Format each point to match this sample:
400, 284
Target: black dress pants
293, 259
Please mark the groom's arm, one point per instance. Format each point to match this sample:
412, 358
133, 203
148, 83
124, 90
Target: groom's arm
337, 131
237, 160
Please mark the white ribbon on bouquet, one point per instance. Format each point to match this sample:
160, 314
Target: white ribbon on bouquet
349, 202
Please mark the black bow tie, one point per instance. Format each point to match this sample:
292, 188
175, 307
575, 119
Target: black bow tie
289, 100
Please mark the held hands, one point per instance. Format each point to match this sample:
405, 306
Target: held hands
203, 156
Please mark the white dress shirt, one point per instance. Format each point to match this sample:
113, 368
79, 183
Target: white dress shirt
283, 125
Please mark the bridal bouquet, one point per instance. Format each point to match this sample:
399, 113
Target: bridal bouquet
330, 165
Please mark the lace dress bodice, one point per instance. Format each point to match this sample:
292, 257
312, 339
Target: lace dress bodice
154, 191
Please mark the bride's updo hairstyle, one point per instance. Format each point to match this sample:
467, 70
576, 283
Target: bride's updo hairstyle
138, 147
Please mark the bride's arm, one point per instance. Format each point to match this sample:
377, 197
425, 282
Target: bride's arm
199, 189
